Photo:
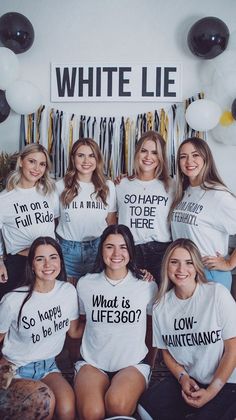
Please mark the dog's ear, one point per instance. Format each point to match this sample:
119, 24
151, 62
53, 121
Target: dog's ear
7, 373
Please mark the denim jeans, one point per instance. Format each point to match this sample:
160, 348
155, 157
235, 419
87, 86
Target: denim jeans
163, 401
150, 256
37, 370
79, 257
222, 277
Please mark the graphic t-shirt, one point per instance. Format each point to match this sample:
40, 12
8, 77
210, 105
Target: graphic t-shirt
85, 217
26, 214
44, 321
114, 335
193, 330
143, 206
207, 217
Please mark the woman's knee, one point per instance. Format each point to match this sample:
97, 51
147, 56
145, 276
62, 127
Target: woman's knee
118, 405
65, 408
91, 412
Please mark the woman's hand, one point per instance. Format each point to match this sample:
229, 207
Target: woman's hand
118, 178
3, 272
189, 385
217, 262
197, 399
147, 276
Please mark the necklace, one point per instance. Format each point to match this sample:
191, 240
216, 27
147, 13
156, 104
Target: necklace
188, 193
113, 282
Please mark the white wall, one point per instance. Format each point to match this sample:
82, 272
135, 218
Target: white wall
115, 31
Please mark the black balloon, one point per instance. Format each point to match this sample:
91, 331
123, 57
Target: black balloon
208, 37
4, 107
233, 109
16, 32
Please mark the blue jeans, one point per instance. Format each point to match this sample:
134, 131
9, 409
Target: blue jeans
79, 257
222, 277
37, 370
163, 401
149, 256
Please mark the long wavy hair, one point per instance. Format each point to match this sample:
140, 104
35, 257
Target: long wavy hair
161, 171
188, 245
129, 241
30, 278
71, 181
210, 176
45, 184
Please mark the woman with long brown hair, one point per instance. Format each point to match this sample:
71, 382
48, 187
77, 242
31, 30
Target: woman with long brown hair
204, 210
87, 206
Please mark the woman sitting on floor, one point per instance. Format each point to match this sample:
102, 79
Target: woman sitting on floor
114, 303
34, 320
194, 323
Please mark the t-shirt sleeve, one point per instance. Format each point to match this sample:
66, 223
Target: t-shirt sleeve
153, 294
111, 197
56, 206
81, 303
227, 312
226, 212
157, 339
6, 314
73, 302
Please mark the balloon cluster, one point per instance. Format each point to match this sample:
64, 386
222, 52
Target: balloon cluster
207, 39
16, 36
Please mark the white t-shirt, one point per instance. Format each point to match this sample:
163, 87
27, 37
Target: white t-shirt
85, 217
143, 206
44, 321
26, 214
114, 335
207, 217
193, 330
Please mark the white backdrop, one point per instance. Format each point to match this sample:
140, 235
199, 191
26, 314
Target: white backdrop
115, 31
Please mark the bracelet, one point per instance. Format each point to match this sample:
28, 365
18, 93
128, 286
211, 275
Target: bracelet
181, 375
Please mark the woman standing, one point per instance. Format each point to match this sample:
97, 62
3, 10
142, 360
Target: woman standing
87, 206
144, 202
38, 318
204, 210
194, 323
114, 303
28, 207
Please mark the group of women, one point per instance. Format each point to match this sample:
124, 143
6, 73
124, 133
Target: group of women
193, 320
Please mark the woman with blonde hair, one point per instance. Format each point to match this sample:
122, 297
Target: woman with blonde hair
194, 324
144, 201
87, 206
204, 210
28, 207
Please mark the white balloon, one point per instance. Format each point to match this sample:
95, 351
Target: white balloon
225, 134
203, 115
9, 67
23, 97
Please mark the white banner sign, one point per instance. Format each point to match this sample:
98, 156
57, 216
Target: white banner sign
93, 83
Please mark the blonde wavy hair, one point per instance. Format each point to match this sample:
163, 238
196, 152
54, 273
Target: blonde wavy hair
210, 176
161, 172
45, 184
188, 245
71, 181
